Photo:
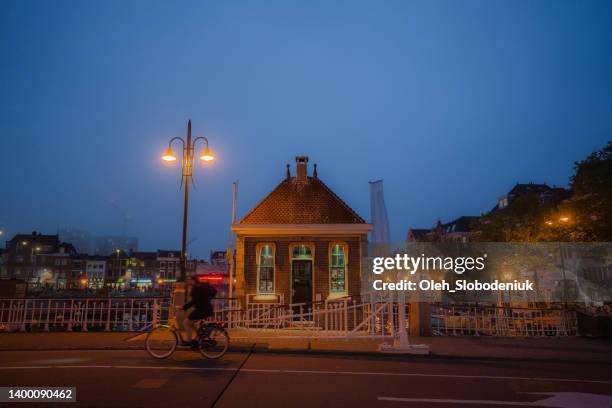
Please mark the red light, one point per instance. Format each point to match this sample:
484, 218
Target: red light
210, 278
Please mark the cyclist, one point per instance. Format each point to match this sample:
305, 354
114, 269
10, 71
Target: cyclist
201, 296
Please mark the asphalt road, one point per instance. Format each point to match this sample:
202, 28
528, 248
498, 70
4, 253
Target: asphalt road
133, 379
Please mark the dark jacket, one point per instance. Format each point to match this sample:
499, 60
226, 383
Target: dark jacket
201, 295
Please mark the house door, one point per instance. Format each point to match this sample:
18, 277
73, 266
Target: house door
301, 275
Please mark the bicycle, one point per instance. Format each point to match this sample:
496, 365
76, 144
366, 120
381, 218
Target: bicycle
213, 340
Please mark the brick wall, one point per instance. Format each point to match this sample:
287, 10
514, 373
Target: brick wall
282, 276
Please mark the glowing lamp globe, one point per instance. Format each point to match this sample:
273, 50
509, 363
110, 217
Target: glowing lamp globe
169, 155
207, 155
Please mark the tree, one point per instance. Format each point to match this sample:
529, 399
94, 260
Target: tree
586, 216
591, 204
523, 220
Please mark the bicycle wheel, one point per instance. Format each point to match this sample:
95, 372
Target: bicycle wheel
214, 345
161, 342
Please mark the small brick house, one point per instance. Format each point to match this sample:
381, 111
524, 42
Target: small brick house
300, 244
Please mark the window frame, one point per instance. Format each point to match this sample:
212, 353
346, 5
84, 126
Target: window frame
345, 250
258, 248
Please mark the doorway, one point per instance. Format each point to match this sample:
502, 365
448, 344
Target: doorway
301, 276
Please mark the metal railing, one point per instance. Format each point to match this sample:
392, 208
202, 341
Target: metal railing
453, 320
336, 318
98, 314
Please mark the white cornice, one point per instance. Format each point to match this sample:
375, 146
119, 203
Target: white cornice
301, 229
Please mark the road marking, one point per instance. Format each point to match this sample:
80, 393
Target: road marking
554, 399
283, 371
457, 401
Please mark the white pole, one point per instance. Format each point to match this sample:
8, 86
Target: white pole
231, 243
401, 315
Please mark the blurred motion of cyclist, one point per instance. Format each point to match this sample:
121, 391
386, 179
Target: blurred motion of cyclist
200, 301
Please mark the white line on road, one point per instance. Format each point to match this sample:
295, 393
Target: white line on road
283, 371
553, 399
456, 401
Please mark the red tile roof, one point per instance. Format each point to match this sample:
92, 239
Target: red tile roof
294, 202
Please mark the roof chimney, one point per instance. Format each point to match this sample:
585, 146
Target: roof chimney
301, 164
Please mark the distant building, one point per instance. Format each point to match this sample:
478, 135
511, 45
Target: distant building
545, 194
95, 271
218, 257
418, 235
463, 229
144, 269
38, 259
117, 266
458, 230
80, 239
105, 245
77, 275
169, 263
3, 271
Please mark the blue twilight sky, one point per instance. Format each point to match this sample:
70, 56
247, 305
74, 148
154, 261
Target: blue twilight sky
450, 102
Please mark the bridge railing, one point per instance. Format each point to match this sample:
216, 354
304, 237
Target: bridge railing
451, 320
98, 314
341, 317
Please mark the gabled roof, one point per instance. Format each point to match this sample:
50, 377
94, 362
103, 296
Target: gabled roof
37, 238
418, 234
297, 202
527, 188
461, 224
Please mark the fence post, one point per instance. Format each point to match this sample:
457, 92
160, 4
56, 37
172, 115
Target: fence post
48, 314
131, 325
69, 328
156, 313
354, 313
392, 319
25, 314
373, 320
84, 321
108, 315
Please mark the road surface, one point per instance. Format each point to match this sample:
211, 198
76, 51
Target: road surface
133, 379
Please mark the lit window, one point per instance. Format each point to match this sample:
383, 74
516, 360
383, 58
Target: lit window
301, 251
337, 269
265, 270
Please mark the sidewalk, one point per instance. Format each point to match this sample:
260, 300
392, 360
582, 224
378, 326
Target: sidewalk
574, 349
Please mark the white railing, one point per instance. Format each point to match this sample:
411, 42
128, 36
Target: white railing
502, 321
338, 318
94, 314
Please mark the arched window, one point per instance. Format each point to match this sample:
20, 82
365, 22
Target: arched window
265, 269
337, 269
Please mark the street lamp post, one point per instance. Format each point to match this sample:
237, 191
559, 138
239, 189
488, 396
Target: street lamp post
187, 163
562, 220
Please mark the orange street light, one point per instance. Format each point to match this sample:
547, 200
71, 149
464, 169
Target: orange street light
187, 163
169, 155
549, 222
564, 219
83, 281
207, 155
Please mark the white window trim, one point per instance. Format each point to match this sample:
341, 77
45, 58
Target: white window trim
344, 293
258, 248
